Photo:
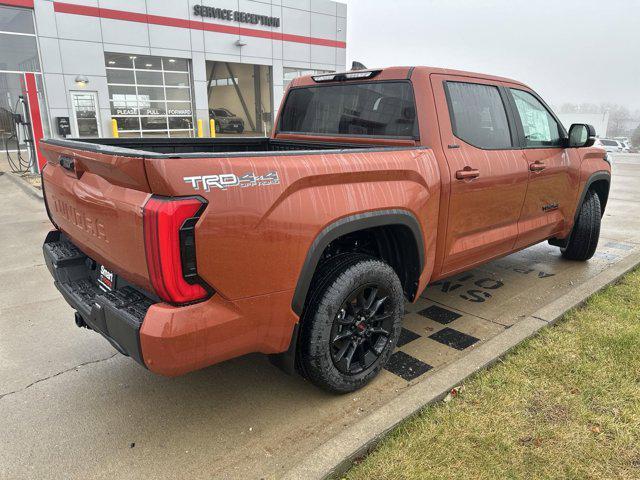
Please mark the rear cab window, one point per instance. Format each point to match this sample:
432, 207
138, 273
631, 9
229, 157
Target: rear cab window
377, 109
478, 115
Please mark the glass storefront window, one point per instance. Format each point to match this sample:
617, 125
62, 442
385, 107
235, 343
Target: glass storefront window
179, 108
150, 96
148, 63
119, 60
180, 123
147, 94
149, 78
177, 79
178, 94
127, 123
153, 123
175, 65
16, 20
19, 53
124, 77
119, 93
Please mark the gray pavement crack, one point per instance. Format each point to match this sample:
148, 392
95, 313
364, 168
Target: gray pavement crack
57, 374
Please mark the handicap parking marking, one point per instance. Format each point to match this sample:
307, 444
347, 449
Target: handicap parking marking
440, 314
406, 336
619, 246
610, 257
458, 313
507, 289
432, 336
406, 367
454, 339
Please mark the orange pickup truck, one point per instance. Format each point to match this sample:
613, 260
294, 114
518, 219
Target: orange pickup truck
304, 246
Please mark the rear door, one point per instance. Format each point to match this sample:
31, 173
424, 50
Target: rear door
553, 170
488, 172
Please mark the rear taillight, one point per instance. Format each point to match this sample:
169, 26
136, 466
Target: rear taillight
169, 240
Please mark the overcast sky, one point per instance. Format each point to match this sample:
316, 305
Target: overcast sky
567, 50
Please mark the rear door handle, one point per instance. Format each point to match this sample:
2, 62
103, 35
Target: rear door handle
467, 173
537, 166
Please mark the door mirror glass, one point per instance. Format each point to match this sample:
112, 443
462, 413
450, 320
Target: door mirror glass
581, 135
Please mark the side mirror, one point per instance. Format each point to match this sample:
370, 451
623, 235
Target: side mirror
581, 135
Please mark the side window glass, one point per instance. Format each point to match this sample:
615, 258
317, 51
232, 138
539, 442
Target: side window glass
540, 128
478, 115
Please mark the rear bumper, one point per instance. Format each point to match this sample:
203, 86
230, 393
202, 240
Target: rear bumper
116, 315
169, 340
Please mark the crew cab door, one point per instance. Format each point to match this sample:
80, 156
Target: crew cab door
488, 172
553, 170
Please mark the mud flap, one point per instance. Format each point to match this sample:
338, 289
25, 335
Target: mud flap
286, 361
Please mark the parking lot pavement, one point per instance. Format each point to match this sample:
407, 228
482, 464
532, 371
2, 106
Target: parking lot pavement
72, 408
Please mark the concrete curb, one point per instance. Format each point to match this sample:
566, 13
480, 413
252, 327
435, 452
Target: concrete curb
337, 455
24, 185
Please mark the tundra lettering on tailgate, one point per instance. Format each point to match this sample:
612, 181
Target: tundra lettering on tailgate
226, 180
93, 226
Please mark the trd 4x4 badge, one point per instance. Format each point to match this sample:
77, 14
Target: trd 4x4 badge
226, 180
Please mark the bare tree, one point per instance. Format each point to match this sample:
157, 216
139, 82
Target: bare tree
619, 117
568, 108
635, 138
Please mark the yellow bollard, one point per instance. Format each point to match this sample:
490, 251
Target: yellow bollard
212, 128
200, 134
114, 128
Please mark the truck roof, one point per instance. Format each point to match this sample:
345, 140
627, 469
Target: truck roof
401, 73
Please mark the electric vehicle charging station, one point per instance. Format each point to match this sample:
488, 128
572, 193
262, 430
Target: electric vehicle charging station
22, 127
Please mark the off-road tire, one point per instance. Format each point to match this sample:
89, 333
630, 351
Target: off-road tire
332, 285
586, 231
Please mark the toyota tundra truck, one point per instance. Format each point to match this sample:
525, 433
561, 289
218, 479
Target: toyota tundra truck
306, 245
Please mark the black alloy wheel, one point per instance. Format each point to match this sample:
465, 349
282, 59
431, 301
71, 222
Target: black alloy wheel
351, 322
361, 329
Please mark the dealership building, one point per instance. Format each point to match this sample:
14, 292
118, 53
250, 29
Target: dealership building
157, 67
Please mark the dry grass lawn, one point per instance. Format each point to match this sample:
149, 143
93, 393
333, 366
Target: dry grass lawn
565, 404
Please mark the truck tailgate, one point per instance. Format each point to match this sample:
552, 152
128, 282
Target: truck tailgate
96, 199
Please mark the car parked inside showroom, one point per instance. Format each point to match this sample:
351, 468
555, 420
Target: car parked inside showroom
226, 121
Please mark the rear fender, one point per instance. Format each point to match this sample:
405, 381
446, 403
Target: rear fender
342, 227
287, 360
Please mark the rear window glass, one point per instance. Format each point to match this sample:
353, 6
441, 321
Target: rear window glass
375, 109
609, 143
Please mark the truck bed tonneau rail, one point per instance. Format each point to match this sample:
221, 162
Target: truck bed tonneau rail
204, 147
